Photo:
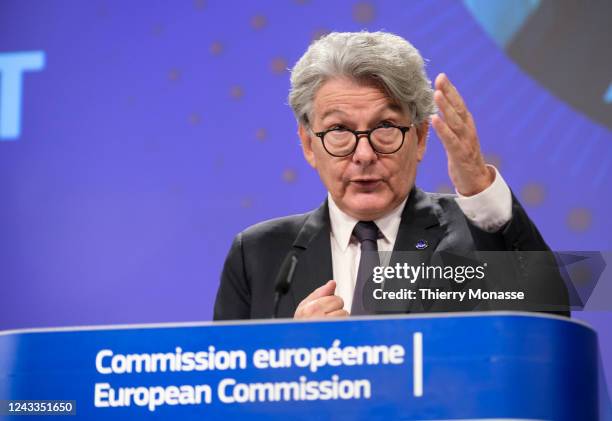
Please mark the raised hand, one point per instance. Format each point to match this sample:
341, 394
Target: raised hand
456, 129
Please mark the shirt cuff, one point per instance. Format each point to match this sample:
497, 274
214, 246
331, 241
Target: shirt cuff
490, 209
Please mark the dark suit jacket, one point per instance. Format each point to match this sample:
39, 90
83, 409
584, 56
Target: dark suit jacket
247, 285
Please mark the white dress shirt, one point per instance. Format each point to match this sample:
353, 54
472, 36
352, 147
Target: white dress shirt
489, 210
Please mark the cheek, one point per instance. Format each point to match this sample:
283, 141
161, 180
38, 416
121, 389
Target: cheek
334, 171
331, 170
403, 171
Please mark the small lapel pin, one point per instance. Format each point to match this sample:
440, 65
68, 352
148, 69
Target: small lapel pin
421, 245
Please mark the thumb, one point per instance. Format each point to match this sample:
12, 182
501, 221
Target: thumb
322, 291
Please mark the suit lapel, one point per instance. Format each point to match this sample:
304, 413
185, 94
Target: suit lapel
313, 246
420, 226
419, 223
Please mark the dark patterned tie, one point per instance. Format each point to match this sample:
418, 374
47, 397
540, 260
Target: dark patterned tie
367, 234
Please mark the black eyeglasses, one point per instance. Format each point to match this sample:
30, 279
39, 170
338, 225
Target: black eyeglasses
385, 139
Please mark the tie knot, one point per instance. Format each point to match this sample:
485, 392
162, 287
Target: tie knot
366, 230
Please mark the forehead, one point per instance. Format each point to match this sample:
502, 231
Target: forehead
344, 96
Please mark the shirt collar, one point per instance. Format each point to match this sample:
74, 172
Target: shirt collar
342, 225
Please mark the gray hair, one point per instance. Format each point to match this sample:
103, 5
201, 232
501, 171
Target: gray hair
386, 59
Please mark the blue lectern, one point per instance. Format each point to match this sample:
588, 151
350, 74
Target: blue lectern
458, 366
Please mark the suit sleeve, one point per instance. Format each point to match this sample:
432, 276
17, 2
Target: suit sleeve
532, 260
233, 297
519, 234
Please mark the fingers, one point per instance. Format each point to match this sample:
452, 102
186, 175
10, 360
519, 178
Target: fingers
444, 85
321, 303
338, 313
324, 305
455, 126
451, 117
449, 139
457, 131
321, 307
452, 107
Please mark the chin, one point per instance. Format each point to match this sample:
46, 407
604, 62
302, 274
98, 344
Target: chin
368, 208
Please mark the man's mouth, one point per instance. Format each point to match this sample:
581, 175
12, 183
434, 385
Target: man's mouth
367, 183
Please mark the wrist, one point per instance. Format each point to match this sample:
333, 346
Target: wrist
481, 182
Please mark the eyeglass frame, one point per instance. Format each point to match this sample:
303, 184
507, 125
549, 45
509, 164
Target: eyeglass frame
367, 133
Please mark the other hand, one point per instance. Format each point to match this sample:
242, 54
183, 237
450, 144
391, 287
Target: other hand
321, 303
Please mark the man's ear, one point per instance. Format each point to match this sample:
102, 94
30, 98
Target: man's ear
422, 131
306, 140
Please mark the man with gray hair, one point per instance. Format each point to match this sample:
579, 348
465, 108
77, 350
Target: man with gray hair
363, 105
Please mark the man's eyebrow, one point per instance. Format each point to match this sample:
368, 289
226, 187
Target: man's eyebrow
396, 108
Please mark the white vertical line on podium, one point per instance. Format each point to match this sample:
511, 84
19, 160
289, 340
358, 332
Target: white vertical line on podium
417, 361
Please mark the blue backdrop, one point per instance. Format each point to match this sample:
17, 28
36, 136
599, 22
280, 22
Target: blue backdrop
137, 138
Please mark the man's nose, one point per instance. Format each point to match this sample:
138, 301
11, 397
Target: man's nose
364, 154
